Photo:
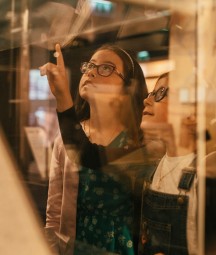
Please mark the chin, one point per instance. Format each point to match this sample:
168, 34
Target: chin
84, 97
83, 93
146, 120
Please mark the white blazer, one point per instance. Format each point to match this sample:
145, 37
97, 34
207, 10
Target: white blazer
62, 196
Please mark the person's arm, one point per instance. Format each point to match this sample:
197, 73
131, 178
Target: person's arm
54, 201
58, 81
90, 155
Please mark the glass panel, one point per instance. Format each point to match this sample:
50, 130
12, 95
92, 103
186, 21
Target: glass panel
96, 191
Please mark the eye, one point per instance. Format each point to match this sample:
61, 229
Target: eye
160, 91
107, 68
90, 65
152, 93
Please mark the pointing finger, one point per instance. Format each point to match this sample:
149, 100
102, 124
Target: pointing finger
59, 57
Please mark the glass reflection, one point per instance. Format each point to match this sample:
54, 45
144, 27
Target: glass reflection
163, 36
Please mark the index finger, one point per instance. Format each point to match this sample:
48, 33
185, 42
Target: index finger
59, 57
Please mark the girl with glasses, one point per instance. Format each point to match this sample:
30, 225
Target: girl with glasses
169, 203
94, 207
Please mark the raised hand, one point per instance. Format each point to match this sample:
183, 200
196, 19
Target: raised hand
188, 132
159, 138
58, 80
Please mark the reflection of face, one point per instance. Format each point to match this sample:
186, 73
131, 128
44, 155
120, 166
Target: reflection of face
92, 82
156, 112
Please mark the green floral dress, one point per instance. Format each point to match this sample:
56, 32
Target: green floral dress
105, 208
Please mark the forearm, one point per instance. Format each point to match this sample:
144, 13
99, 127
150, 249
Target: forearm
64, 102
73, 136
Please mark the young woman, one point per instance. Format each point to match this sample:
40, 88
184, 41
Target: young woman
92, 206
170, 200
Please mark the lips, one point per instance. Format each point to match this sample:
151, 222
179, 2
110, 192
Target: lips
147, 113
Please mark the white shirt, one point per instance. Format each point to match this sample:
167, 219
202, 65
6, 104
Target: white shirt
166, 180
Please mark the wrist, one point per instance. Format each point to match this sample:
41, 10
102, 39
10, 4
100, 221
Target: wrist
63, 103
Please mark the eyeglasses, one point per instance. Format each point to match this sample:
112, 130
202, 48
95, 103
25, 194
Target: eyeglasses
159, 94
103, 69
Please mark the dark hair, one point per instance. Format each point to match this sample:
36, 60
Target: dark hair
135, 87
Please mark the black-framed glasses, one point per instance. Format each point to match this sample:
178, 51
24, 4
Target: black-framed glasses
103, 69
159, 94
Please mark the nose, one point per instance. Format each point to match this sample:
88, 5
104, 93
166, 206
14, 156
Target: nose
92, 72
148, 101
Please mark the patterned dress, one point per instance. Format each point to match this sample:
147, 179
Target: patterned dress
105, 207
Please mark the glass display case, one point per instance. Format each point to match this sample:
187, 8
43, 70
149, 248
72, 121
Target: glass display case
163, 37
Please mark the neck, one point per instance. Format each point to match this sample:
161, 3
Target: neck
103, 126
104, 117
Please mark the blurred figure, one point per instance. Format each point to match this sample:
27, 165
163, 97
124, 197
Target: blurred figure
169, 203
84, 203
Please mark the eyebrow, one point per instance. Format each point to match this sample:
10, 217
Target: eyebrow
161, 87
105, 62
154, 90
